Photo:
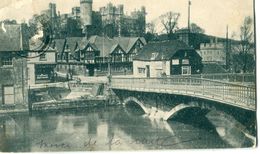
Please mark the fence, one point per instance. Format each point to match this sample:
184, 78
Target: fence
228, 77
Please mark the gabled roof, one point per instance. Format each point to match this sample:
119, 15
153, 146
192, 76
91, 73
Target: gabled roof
11, 38
115, 47
72, 43
143, 40
127, 43
161, 50
103, 44
83, 43
59, 45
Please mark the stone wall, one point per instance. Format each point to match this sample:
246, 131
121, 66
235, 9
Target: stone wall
15, 76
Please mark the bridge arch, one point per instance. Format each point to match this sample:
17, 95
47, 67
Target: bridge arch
183, 106
137, 101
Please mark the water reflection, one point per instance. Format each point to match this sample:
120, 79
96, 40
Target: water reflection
113, 128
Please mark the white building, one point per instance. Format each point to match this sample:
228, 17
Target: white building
166, 58
40, 63
213, 52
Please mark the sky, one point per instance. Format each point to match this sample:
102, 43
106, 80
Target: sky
211, 15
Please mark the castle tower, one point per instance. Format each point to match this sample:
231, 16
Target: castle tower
52, 7
86, 14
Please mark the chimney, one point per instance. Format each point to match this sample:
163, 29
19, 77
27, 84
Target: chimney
211, 41
24, 38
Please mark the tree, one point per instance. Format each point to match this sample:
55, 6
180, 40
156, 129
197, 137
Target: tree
40, 23
9, 22
194, 28
245, 47
109, 30
238, 59
150, 27
73, 28
170, 21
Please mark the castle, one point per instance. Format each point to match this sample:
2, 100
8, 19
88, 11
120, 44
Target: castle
114, 22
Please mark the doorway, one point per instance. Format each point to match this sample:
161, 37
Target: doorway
148, 71
91, 70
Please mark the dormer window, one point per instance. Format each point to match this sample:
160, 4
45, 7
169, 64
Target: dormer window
89, 49
154, 55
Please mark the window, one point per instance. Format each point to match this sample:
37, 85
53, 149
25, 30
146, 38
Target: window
154, 55
7, 61
186, 70
43, 57
175, 62
89, 49
141, 70
8, 95
58, 56
71, 57
185, 61
123, 58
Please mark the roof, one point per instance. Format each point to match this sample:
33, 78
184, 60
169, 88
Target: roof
114, 47
59, 44
36, 45
128, 42
72, 43
11, 38
84, 43
103, 44
161, 50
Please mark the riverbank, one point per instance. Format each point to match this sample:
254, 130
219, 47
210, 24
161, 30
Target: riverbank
15, 111
85, 93
83, 102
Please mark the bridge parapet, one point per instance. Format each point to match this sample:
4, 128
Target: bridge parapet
224, 92
246, 78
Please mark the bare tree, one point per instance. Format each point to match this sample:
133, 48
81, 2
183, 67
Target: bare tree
170, 21
151, 27
245, 47
247, 35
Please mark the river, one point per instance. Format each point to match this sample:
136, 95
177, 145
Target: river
103, 129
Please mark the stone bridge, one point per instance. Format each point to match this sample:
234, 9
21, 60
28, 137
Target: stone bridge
163, 98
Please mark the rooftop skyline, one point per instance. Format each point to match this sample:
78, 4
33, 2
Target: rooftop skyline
211, 15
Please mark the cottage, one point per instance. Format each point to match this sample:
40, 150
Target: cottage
91, 56
13, 72
41, 63
166, 58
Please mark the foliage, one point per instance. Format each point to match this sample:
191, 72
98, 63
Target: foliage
243, 63
244, 49
9, 22
194, 28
